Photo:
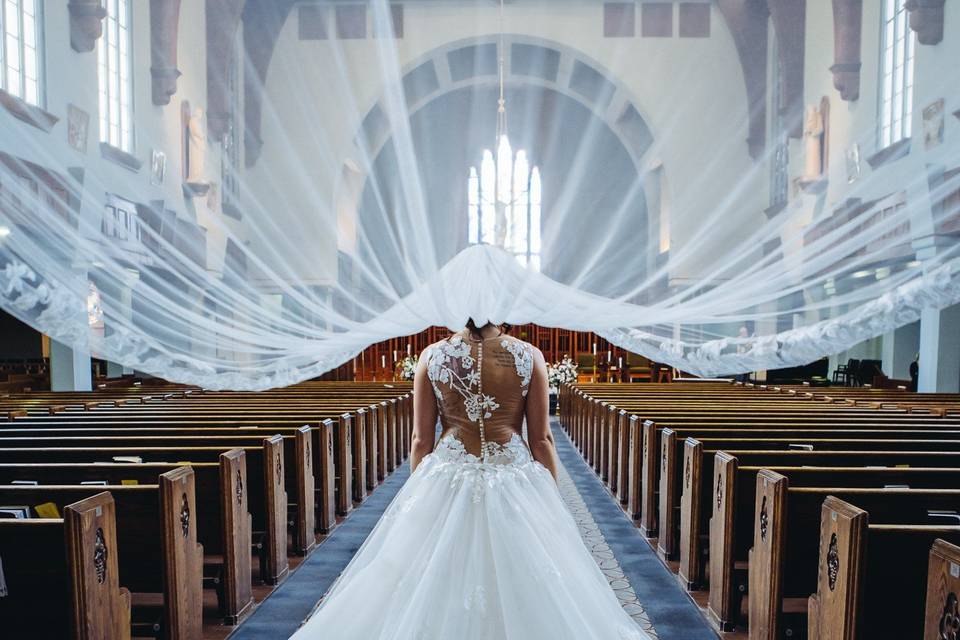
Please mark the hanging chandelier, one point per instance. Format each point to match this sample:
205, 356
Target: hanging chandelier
504, 197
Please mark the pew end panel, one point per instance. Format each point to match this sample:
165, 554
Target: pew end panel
840, 569
393, 431
623, 455
101, 609
611, 441
373, 448
766, 557
237, 600
691, 554
648, 480
943, 585
634, 467
386, 454
275, 567
667, 530
305, 539
359, 455
182, 556
344, 463
722, 609
324, 460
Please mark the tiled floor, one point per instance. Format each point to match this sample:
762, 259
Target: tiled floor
593, 538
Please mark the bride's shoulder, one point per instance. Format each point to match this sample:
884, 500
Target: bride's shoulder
516, 344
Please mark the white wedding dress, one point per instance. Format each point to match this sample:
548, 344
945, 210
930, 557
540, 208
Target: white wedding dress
475, 546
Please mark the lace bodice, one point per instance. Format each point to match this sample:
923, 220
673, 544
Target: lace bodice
481, 389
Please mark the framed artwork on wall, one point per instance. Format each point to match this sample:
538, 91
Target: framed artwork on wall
78, 125
933, 124
158, 167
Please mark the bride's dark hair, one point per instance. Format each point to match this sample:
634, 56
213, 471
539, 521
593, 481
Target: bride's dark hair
475, 330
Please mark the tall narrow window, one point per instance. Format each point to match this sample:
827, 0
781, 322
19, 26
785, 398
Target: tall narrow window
896, 74
230, 158
116, 77
21, 63
504, 202
780, 160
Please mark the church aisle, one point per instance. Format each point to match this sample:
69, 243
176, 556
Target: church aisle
660, 605
646, 590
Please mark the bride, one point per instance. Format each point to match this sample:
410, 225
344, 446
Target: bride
478, 544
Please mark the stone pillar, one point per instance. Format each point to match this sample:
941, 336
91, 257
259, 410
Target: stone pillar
940, 350
69, 368
900, 347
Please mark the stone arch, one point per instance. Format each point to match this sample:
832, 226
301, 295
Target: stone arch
528, 61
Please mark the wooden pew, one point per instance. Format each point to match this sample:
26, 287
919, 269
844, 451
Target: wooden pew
673, 471
62, 574
792, 574
730, 524
223, 520
695, 509
872, 579
267, 503
302, 476
157, 550
943, 585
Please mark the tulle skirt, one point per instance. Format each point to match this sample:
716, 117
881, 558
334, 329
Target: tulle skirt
471, 550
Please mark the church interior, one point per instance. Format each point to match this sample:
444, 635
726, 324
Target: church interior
230, 231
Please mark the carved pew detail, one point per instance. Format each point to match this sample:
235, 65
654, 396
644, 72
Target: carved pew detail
603, 440
691, 567
101, 608
623, 456
766, 557
344, 464
359, 455
842, 538
385, 461
596, 428
237, 536
373, 447
666, 538
648, 480
182, 556
720, 607
275, 565
305, 539
610, 447
634, 467
328, 516
943, 588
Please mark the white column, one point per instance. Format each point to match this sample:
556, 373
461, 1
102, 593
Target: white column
900, 347
69, 368
940, 350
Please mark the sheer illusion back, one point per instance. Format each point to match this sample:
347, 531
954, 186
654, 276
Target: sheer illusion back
481, 388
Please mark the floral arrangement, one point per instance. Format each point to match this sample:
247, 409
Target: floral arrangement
406, 368
562, 372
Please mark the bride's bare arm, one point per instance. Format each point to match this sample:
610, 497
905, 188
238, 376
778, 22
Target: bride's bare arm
424, 415
538, 417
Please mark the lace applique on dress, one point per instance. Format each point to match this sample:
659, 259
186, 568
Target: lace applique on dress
476, 599
514, 451
522, 359
440, 371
